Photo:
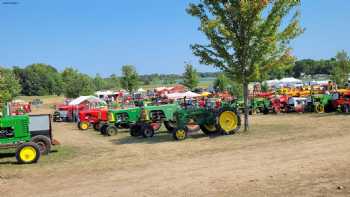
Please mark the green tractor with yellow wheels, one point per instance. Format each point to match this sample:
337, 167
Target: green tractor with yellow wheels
30, 136
224, 121
320, 103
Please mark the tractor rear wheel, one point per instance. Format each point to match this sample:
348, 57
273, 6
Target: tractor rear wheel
103, 129
97, 126
208, 129
147, 131
111, 130
27, 153
265, 110
170, 125
44, 144
229, 122
135, 130
83, 125
180, 134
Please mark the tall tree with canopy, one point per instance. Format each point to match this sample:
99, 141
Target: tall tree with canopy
341, 69
247, 38
130, 79
190, 77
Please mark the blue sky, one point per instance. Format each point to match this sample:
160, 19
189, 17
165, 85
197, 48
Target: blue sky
99, 36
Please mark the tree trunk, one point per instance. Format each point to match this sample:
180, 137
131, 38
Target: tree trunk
246, 106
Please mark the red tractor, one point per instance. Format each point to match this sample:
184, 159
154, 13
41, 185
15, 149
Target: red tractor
279, 103
341, 101
92, 117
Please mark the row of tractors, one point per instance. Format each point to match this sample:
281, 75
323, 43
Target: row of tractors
145, 121
300, 101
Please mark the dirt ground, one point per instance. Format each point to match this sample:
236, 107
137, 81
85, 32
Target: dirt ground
282, 155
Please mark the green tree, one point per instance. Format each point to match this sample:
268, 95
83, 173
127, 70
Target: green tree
130, 80
39, 80
341, 70
99, 82
246, 37
190, 77
76, 84
112, 83
221, 83
9, 85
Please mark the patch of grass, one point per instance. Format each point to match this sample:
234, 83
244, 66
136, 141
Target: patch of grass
58, 154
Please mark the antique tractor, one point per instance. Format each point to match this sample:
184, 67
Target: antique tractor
320, 103
31, 136
260, 105
341, 101
92, 117
140, 120
224, 120
279, 103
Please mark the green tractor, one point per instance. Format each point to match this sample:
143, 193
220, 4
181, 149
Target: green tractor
31, 136
142, 121
260, 105
320, 103
224, 120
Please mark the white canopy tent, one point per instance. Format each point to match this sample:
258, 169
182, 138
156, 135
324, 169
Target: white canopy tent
81, 99
178, 95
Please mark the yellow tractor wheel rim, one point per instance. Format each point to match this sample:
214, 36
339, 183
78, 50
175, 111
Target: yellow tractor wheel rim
319, 108
211, 128
28, 154
84, 125
228, 121
180, 134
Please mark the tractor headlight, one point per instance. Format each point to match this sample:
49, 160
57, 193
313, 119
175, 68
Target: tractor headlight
111, 117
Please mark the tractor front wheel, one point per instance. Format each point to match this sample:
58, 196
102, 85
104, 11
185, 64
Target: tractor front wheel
111, 130
44, 144
27, 153
180, 134
319, 108
135, 130
83, 125
229, 122
147, 131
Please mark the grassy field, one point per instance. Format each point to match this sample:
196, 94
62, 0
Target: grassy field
281, 155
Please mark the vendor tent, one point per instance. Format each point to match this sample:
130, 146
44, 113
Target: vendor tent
86, 99
178, 95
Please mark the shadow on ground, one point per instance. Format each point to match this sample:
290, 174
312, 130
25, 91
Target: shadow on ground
158, 138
